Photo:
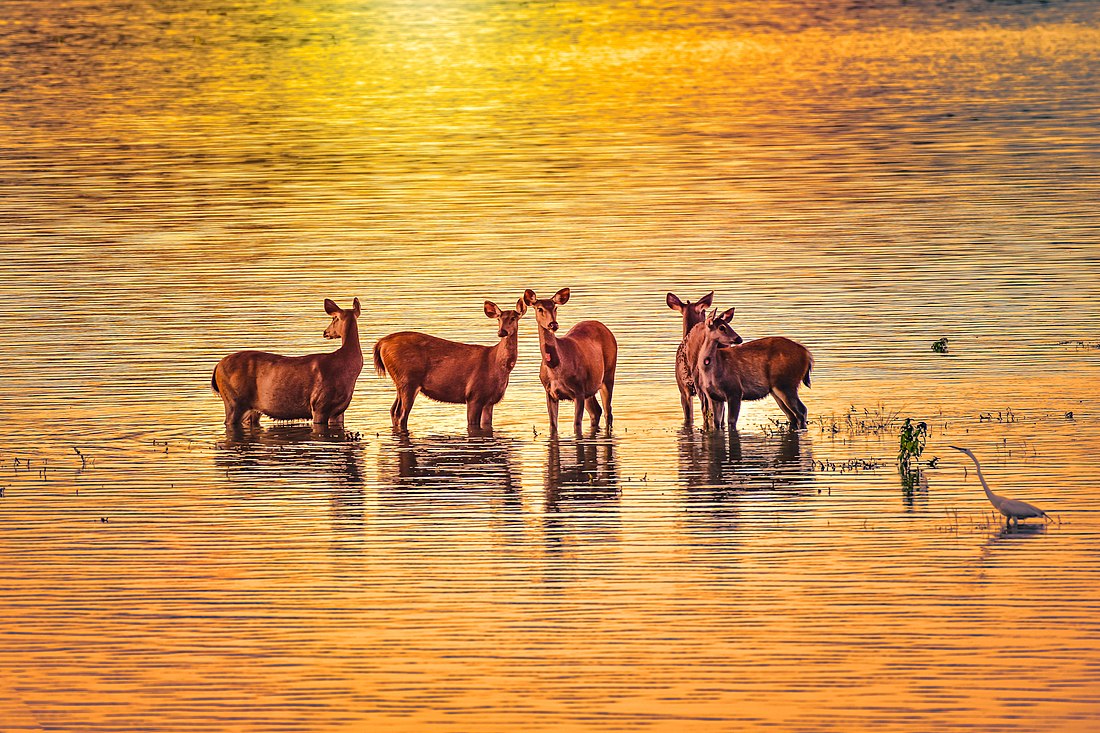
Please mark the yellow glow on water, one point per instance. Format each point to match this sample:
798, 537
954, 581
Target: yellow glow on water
186, 180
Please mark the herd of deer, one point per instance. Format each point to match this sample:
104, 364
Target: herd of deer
711, 362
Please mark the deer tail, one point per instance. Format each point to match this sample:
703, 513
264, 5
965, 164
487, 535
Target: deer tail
806, 376
379, 366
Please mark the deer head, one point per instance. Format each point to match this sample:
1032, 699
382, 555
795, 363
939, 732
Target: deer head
508, 321
341, 319
719, 331
546, 310
693, 312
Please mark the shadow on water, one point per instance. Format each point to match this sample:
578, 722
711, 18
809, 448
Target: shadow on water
582, 491
301, 457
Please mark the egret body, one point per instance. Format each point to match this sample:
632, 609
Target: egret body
1013, 509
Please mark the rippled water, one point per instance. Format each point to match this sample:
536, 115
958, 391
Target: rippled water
186, 179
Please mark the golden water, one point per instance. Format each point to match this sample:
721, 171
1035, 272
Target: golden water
186, 179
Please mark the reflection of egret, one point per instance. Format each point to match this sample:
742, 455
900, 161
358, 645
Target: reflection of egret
1013, 509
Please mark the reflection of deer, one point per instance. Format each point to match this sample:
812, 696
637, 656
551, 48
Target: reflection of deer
593, 475
707, 459
448, 371
317, 386
449, 462
300, 457
576, 365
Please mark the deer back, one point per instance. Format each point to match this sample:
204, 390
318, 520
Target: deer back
443, 370
754, 368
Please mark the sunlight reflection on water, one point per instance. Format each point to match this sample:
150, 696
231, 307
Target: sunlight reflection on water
187, 180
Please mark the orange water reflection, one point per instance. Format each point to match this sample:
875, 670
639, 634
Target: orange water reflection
187, 180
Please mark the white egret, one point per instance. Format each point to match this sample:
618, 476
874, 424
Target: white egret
1013, 509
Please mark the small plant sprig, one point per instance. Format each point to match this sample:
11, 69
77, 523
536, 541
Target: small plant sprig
940, 347
911, 442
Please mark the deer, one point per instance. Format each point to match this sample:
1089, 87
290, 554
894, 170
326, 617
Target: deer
693, 314
728, 370
449, 371
575, 366
316, 386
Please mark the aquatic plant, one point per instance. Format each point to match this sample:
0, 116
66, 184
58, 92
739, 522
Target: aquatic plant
1081, 345
940, 347
869, 421
911, 442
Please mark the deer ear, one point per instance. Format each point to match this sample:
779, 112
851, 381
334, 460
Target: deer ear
726, 316
674, 303
356, 307
491, 309
562, 296
331, 308
529, 296
521, 306
706, 300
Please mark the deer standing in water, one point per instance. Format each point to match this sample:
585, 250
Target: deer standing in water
575, 366
730, 373
448, 371
317, 386
693, 313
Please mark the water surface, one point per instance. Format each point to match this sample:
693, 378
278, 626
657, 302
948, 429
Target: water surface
183, 180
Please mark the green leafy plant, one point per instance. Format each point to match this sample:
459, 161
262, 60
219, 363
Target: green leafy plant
911, 442
940, 347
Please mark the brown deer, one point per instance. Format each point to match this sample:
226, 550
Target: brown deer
575, 366
448, 371
693, 313
317, 386
728, 372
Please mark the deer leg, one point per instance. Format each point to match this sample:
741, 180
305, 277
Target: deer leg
734, 406
594, 411
406, 396
552, 410
793, 406
473, 414
605, 392
783, 400
803, 412
685, 403
706, 410
234, 415
717, 414
393, 410
487, 417
578, 413
336, 421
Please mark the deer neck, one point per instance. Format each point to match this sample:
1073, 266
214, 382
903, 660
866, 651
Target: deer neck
506, 351
350, 341
548, 348
688, 325
708, 353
